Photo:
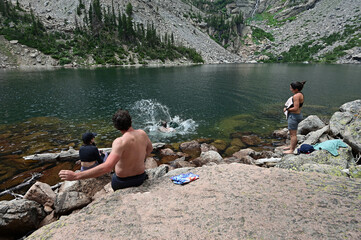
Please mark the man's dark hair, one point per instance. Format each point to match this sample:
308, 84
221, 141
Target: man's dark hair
122, 120
298, 85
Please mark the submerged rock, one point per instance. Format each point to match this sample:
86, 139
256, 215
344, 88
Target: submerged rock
220, 145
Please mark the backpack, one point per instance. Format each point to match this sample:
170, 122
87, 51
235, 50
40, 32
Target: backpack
305, 148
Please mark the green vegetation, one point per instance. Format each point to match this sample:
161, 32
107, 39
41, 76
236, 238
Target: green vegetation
306, 51
259, 34
102, 36
215, 6
224, 28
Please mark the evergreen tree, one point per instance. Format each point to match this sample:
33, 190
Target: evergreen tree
129, 10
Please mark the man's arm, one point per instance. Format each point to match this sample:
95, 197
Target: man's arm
149, 146
99, 170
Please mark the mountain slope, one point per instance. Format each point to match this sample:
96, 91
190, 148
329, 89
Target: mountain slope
225, 31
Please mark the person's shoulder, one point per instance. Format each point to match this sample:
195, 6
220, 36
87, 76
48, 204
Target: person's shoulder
118, 141
298, 95
141, 132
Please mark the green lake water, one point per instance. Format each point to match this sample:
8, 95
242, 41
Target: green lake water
48, 110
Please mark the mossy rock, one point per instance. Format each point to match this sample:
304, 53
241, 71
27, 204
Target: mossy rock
230, 150
323, 168
355, 171
221, 145
175, 146
238, 143
204, 140
308, 162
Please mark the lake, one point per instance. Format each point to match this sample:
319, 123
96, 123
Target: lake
48, 110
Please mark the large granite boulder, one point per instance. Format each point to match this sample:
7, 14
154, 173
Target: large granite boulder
74, 195
87, 186
192, 148
311, 123
205, 147
18, 217
352, 107
244, 155
338, 122
167, 155
280, 133
352, 134
313, 137
42, 194
181, 163
68, 201
207, 157
346, 124
316, 161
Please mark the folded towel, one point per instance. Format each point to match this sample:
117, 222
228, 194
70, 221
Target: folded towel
288, 104
184, 178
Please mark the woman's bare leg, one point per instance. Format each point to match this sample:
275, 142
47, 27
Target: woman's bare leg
293, 136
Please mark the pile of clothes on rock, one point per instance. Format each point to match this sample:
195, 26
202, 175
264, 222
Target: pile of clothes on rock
331, 146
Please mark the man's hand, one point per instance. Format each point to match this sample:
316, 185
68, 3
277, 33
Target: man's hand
67, 175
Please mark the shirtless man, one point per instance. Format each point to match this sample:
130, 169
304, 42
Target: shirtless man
127, 156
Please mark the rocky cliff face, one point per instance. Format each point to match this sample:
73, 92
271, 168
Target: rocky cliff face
291, 22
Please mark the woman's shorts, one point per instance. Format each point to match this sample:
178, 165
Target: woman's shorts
82, 169
293, 120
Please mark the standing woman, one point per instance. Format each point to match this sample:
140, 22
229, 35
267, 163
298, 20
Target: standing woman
294, 115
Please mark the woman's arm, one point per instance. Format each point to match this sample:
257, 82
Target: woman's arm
296, 103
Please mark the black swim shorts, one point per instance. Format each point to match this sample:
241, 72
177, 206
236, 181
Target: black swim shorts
133, 181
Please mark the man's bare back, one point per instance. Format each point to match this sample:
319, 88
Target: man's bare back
131, 149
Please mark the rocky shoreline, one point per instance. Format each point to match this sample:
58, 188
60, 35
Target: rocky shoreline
43, 204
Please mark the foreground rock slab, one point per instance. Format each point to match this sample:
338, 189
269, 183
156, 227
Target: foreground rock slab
229, 201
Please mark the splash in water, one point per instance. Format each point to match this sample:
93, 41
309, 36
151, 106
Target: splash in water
149, 114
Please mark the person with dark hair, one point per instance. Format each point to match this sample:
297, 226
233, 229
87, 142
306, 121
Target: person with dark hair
89, 154
293, 113
127, 156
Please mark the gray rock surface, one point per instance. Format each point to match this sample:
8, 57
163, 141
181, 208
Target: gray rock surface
344, 160
234, 201
352, 134
157, 172
352, 107
338, 122
18, 217
313, 137
68, 201
347, 124
309, 124
42, 194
